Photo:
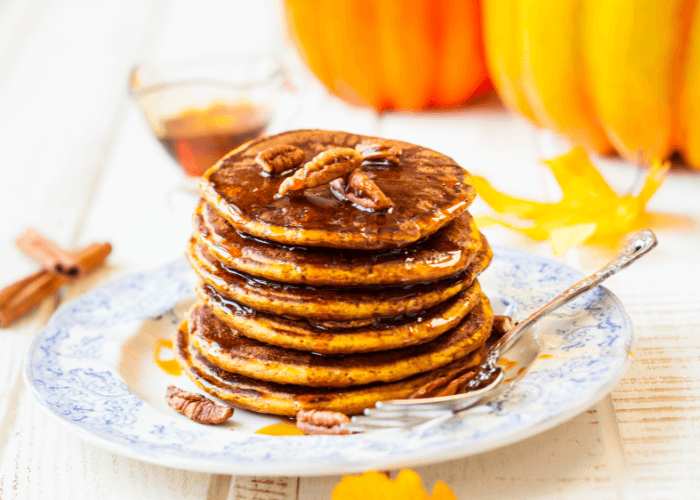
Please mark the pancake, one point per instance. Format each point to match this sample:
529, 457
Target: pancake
334, 304
379, 336
287, 400
427, 190
233, 352
445, 253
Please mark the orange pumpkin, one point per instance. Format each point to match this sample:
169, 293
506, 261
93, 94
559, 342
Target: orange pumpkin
622, 75
390, 54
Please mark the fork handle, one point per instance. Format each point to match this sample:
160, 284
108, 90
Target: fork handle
639, 245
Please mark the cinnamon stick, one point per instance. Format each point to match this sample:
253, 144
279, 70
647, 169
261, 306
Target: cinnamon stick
48, 254
11, 290
92, 257
27, 294
29, 297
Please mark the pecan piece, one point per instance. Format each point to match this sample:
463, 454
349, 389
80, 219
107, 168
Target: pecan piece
279, 159
322, 422
503, 324
362, 191
379, 151
325, 167
197, 407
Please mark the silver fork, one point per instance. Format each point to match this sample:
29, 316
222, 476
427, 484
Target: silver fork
487, 381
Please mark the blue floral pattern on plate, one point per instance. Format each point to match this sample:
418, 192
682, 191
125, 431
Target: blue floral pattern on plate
75, 370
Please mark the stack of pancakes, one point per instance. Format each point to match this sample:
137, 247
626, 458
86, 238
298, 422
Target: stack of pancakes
311, 302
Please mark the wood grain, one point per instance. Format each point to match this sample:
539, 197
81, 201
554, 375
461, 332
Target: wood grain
264, 488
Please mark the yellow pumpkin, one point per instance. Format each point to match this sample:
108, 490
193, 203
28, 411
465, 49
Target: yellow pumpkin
391, 54
608, 74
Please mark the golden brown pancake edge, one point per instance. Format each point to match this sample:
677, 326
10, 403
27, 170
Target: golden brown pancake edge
427, 190
384, 334
233, 352
287, 400
320, 303
445, 253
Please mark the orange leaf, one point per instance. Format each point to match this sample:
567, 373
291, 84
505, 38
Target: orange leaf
507, 204
577, 176
590, 211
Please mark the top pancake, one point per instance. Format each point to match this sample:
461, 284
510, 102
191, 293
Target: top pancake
447, 252
427, 190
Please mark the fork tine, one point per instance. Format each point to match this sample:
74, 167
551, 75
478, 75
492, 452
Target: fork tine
450, 403
388, 422
391, 406
364, 428
405, 413
369, 426
418, 408
381, 423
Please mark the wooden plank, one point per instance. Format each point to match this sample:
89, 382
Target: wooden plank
139, 195
657, 401
39, 458
264, 488
569, 461
43, 460
18, 22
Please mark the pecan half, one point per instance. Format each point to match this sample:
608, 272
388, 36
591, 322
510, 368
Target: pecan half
325, 167
503, 324
322, 422
197, 407
379, 151
279, 159
362, 191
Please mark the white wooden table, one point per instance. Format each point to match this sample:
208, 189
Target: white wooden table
79, 164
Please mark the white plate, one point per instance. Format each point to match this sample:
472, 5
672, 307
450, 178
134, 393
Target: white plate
92, 369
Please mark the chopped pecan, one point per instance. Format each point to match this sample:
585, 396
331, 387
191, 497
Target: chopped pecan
325, 167
279, 159
379, 151
361, 190
197, 407
322, 422
503, 324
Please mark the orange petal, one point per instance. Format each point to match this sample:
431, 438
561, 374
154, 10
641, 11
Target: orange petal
409, 486
443, 492
369, 486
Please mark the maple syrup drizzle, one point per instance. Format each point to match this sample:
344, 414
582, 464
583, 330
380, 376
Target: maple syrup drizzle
169, 366
507, 364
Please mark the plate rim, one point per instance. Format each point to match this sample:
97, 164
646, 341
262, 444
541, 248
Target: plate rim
221, 466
